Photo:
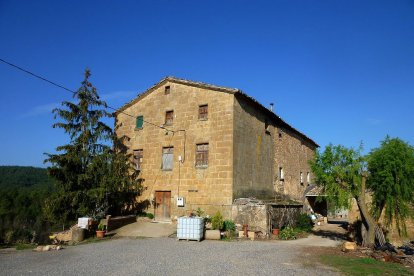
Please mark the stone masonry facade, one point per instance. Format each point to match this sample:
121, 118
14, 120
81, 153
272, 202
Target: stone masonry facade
246, 144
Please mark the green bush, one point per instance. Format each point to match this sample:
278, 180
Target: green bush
229, 225
149, 215
287, 233
217, 221
304, 223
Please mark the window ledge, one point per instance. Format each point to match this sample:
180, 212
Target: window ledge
138, 128
202, 167
203, 119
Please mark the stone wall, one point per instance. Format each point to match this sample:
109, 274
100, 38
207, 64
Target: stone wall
211, 186
253, 152
292, 153
254, 215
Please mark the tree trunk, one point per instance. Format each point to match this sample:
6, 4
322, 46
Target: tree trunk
367, 219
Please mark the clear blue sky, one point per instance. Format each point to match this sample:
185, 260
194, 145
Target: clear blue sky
339, 71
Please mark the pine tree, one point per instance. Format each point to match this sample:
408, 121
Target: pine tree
90, 175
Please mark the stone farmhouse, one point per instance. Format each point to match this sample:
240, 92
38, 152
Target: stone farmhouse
199, 145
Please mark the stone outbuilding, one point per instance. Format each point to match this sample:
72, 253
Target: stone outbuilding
199, 145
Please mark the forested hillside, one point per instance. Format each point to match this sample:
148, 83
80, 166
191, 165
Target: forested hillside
23, 191
18, 177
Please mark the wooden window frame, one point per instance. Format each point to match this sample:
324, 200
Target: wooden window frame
167, 158
138, 156
203, 112
169, 117
201, 155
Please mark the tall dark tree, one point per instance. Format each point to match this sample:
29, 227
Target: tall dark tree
87, 170
391, 179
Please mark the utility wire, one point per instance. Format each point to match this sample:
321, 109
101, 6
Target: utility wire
73, 92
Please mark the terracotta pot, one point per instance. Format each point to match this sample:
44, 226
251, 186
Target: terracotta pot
275, 232
100, 234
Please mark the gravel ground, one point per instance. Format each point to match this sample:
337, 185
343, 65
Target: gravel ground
164, 256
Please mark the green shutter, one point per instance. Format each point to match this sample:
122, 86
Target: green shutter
140, 121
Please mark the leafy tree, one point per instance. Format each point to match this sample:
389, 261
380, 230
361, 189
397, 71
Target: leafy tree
88, 171
341, 172
391, 179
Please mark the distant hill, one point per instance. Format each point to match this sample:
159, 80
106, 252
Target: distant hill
19, 177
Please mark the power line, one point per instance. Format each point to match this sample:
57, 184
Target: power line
73, 92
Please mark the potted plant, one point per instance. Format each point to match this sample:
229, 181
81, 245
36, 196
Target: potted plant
100, 233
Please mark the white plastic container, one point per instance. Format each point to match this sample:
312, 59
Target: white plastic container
190, 228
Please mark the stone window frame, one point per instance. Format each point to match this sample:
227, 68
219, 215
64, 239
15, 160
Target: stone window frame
201, 155
301, 178
167, 159
167, 90
138, 156
169, 117
203, 112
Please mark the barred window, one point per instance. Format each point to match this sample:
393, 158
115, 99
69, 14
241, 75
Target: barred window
167, 158
201, 155
203, 112
169, 117
138, 155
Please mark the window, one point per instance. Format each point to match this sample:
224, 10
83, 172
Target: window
281, 174
301, 178
201, 155
169, 117
280, 134
203, 112
267, 127
138, 155
308, 177
167, 158
139, 122
167, 90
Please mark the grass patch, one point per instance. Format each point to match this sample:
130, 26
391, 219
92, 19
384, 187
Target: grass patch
363, 266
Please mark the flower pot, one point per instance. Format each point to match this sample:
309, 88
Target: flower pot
100, 234
275, 232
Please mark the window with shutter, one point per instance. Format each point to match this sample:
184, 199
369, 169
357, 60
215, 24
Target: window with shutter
139, 122
203, 112
167, 158
201, 155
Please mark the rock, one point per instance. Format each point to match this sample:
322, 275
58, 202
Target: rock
348, 246
46, 248
38, 249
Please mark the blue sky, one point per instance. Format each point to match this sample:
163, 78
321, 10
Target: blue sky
342, 72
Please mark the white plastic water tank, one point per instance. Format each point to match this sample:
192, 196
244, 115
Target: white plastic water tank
190, 228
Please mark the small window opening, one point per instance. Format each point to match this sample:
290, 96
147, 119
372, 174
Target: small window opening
203, 112
167, 90
169, 117
308, 178
281, 174
138, 156
301, 178
267, 127
139, 122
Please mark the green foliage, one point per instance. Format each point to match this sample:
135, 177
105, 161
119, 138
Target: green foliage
287, 233
217, 221
229, 225
101, 227
391, 179
92, 177
304, 223
338, 171
150, 215
20, 177
200, 212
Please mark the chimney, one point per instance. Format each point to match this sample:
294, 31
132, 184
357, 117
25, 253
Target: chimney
271, 107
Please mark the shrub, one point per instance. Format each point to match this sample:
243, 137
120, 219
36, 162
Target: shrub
287, 233
229, 225
101, 227
200, 212
217, 222
149, 215
304, 223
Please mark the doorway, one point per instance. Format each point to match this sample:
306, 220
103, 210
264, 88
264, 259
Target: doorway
163, 205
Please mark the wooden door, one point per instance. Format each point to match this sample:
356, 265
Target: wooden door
163, 205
